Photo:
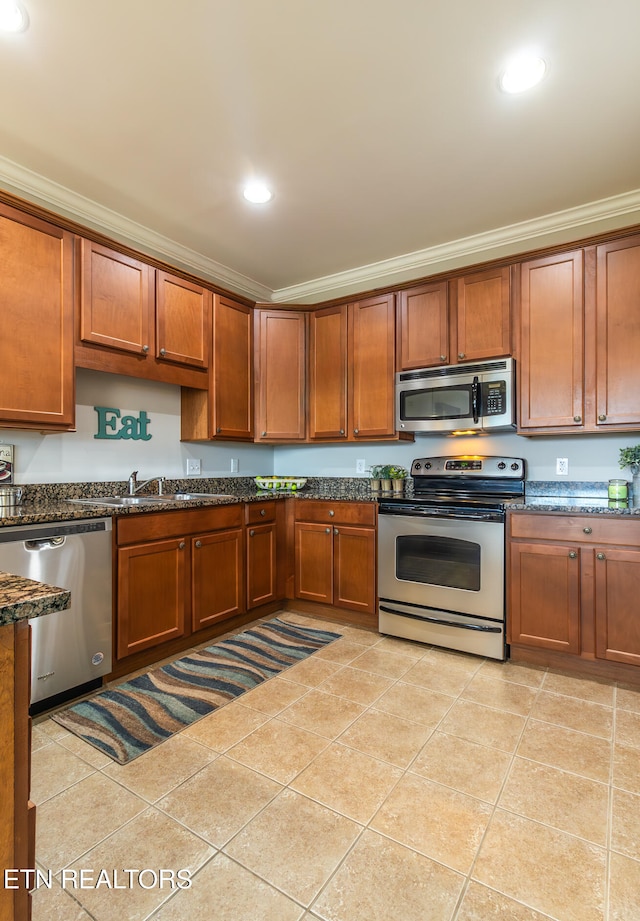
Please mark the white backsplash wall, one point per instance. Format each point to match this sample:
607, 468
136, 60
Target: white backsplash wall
591, 457
73, 457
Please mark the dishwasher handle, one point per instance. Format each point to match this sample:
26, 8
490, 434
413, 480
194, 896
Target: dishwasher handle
45, 543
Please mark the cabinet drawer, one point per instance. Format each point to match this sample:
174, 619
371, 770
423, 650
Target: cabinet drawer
158, 525
341, 512
589, 529
259, 512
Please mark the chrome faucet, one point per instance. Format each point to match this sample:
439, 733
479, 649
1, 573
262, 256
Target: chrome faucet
135, 487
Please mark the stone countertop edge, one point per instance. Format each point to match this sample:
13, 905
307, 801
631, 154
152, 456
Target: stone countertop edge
21, 599
530, 505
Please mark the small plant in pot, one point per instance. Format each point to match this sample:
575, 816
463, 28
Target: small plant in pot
630, 457
376, 476
398, 475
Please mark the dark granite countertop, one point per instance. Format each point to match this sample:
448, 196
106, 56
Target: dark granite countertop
575, 498
22, 598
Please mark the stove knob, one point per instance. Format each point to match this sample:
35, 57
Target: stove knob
417, 465
501, 465
427, 466
515, 466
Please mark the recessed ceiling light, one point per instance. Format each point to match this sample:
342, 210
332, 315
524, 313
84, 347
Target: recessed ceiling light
257, 192
522, 73
13, 16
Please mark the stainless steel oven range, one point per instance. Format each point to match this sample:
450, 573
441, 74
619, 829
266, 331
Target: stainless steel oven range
441, 553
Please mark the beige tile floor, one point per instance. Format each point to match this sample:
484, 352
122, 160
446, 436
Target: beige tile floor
379, 780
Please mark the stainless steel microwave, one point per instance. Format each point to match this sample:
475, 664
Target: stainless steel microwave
457, 398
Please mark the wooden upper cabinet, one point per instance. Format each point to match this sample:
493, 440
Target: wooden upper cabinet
280, 375
36, 348
551, 343
423, 326
183, 311
483, 315
617, 318
371, 367
116, 300
328, 373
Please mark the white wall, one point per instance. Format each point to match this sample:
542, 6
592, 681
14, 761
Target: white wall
73, 457
78, 456
591, 457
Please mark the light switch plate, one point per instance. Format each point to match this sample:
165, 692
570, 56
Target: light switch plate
193, 466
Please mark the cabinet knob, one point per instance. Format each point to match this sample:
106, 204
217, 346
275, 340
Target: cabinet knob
602, 417
218, 430
443, 358
356, 431
251, 532
335, 531
263, 512
461, 355
587, 530
264, 434
163, 352
577, 418
145, 348
572, 554
327, 530
342, 431
600, 556
181, 545
331, 513
198, 544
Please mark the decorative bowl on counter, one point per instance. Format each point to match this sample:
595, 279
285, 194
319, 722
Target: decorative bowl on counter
280, 483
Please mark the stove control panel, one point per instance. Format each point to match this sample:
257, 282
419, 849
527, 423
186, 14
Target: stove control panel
469, 465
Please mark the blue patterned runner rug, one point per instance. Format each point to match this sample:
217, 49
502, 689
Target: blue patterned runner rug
128, 720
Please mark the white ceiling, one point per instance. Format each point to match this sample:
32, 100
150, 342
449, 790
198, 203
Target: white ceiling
379, 125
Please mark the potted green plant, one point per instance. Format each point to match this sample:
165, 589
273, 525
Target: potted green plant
376, 475
630, 457
398, 475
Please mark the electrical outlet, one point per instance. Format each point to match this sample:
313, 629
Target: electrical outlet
193, 466
361, 466
562, 466
235, 464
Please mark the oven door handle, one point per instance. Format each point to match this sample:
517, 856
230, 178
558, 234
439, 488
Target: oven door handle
475, 400
445, 623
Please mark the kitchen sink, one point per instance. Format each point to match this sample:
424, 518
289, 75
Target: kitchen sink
127, 501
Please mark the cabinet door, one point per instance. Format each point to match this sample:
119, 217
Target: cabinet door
328, 373
261, 564
483, 310
551, 367
371, 372
618, 333
280, 375
544, 596
617, 589
314, 562
153, 594
36, 348
217, 575
232, 377
116, 300
423, 326
354, 569
183, 323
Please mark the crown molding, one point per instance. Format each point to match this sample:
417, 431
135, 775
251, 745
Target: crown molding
476, 248
63, 201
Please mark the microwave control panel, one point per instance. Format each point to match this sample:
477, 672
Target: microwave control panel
494, 398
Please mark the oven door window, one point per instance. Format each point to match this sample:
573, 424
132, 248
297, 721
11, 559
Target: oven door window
437, 403
443, 561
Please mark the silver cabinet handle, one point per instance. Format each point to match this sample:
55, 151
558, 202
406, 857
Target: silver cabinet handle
218, 430
251, 532
331, 513
602, 417
145, 348
600, 556
587, 530
342, 431
577, 418
263, 512
181, 545
198, 544
443, 358
335, 531
163, 352
327, 530
264, 434
356, 431
572, 555
461, 355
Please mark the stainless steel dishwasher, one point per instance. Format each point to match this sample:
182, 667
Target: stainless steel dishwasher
70, 650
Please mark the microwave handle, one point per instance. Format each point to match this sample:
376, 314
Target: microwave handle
475, 399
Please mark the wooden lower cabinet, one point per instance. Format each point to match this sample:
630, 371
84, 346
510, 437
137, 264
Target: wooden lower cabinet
177, 572
335, 554
573, 586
